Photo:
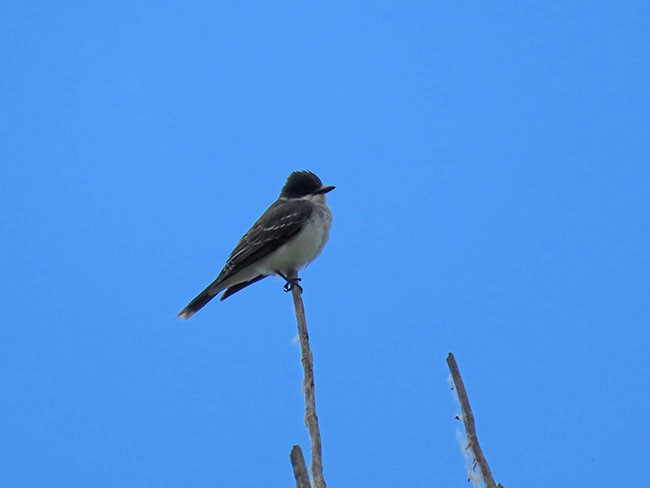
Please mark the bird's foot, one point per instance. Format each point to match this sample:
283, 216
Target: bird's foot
288, 286
290, 282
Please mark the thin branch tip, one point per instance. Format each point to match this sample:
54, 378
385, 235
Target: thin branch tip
299, 468
470, 427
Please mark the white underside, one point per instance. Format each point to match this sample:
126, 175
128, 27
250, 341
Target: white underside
295, 254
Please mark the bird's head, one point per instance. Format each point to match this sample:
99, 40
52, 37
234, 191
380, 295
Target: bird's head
302, 184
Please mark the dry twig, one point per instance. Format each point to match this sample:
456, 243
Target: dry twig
311, 420
470, 427
299, 468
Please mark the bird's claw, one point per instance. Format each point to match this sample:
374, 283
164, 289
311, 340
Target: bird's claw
288, 286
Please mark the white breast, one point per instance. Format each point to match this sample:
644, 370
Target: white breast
304, 247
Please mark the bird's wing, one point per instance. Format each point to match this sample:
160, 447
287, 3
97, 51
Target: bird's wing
280, 222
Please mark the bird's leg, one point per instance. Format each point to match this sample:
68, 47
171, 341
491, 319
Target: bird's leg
290, 282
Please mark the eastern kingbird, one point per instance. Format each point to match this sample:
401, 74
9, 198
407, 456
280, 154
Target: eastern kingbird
287, 237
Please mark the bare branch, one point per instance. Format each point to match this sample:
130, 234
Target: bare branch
299, 468
311, 420
470, 427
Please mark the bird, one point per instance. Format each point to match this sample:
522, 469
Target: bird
288, 236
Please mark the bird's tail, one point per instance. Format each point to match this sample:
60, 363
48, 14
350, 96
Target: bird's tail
212, 291
199, 302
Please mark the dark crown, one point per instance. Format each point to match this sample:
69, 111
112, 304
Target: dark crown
301, 183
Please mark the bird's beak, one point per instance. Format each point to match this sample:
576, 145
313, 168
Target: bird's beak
325, 189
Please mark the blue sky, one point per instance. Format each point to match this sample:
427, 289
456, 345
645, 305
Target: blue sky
492, 172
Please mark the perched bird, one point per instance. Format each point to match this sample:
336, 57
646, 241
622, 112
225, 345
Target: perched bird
287, 237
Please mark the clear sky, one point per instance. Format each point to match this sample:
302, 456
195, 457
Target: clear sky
492, 165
